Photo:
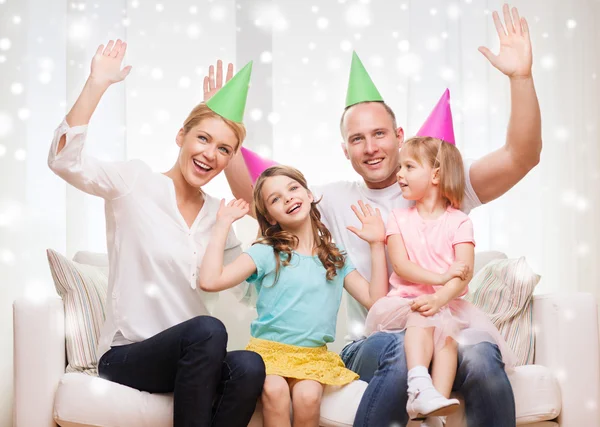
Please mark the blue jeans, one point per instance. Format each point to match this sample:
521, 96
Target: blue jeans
210, 386
381, 362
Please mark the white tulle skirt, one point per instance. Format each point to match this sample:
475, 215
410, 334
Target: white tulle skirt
459, 320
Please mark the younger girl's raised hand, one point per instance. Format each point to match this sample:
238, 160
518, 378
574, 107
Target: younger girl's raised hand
232, 211
373, 229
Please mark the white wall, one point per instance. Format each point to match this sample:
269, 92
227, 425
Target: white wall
413, 50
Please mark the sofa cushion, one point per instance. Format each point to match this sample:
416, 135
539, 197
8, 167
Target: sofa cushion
504, 290
83, 291
537, 394
484, 258
82, 400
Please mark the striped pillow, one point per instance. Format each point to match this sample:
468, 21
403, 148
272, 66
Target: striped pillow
503, 289
83, 291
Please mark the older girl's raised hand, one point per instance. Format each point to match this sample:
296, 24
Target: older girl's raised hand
373, 228
232, 211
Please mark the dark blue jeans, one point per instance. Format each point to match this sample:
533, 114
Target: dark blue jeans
480, 378
210, 386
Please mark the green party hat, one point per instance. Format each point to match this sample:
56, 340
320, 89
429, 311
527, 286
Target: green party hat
360, 86
230, 101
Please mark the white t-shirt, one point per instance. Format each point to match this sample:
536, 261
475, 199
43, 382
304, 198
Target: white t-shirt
154, 256
337, 215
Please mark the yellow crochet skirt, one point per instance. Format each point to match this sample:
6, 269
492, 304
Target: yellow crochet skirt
304, 363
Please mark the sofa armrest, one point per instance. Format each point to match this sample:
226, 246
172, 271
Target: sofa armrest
567, 342
39, 359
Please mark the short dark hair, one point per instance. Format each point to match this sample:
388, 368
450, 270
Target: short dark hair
387, 108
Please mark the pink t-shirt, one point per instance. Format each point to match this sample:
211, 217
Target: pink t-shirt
428, 243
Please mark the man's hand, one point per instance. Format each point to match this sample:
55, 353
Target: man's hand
514, 58
212, 86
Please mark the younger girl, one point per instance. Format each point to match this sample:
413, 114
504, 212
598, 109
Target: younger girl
431, 248
298, 273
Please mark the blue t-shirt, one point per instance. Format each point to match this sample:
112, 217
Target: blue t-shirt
301, 307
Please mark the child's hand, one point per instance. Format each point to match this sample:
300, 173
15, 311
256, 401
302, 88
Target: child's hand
373, 229
427, 305
458, 269
233, 211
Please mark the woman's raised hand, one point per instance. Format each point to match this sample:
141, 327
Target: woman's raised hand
106, 64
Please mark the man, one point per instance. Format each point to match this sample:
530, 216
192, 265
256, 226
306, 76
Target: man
371, 143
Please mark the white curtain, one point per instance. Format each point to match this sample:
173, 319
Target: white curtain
413, 51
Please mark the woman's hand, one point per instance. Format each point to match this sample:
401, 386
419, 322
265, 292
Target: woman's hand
233, 211
373, 229
106, 64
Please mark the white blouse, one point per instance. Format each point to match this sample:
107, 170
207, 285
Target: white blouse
154, 256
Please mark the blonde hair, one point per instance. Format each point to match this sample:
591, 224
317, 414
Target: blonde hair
440, 154
284, 241
201, 112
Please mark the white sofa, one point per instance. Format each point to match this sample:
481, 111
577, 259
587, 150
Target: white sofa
561, 389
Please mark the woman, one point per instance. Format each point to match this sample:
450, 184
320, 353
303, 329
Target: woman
158, 336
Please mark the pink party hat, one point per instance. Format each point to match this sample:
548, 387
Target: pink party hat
439, 123
256, 164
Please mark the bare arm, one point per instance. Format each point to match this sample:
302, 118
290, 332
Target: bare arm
236, 171
66, 158
213, 275
496, 173
105, 70
464, 252
409, 270
239, 180
373, 232
367, 293
430, 304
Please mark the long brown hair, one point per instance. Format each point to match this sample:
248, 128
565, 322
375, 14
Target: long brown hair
285, 242
440, 154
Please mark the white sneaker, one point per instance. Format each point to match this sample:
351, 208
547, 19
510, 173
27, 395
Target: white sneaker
429, 403
433, 422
